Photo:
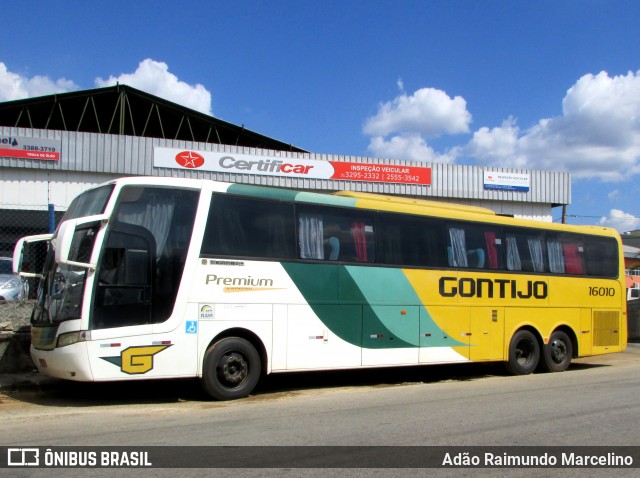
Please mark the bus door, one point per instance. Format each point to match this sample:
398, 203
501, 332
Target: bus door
136, 282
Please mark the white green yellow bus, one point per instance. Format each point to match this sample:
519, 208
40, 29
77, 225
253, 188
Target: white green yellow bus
151, 278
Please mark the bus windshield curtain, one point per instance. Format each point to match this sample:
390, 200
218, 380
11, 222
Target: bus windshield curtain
513, 256
359, 240
573, 261
537, 258
556, 259
311, 236
458, 248
492, 251
154, 216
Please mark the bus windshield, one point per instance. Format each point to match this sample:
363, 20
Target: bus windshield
61, 289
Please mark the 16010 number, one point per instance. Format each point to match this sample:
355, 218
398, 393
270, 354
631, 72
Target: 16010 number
602, 291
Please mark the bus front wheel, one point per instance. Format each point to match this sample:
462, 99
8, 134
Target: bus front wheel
524, 353
231, 369
557, 354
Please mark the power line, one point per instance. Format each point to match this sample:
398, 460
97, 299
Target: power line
598, 217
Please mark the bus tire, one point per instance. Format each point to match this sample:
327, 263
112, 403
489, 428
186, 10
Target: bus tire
557, 354
524, 353
231, 369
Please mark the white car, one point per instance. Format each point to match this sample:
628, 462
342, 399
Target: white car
12, 286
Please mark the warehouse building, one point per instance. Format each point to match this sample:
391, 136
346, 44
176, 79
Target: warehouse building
53, 147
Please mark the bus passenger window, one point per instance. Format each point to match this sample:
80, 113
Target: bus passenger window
565, 255
525, 251
242, 227
475, 247
411, 240
335, 235
601, 256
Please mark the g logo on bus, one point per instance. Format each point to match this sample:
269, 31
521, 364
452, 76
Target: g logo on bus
136, 360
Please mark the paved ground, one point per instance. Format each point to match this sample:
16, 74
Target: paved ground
32, 381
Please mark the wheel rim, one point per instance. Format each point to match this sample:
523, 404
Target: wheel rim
232, 369
558, 350
524, 352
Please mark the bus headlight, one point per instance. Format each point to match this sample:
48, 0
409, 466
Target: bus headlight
73, 337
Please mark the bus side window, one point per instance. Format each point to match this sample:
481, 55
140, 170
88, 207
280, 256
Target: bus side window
525, 251
474, 246
601, 256
243, 227
333, 234
565, 253
410, 240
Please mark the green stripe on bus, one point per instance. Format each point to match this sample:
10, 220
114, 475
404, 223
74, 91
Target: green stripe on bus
314, 198
391, 312
385, 287
289, 195
262, 192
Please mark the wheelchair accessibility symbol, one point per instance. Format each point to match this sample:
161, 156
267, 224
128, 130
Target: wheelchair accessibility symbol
192, 327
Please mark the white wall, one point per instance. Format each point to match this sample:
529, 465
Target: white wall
35, 189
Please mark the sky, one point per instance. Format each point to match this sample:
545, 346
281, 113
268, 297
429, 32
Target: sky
543, 85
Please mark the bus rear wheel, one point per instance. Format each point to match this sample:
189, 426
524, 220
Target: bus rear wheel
231, 369
557, 354
524, 353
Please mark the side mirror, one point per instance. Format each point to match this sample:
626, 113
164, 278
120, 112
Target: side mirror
75, 240
32, 247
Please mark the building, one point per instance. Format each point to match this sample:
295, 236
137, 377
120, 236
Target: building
53, 147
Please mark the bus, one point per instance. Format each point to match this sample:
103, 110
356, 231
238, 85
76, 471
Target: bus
156, 278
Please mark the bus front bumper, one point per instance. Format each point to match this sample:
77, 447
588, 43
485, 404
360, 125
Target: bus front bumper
70, 362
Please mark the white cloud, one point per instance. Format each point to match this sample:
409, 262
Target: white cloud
428, 111
154, 77
597, 136
14, 86
401, 127
410, 147
150, 76
497, 145
620, 220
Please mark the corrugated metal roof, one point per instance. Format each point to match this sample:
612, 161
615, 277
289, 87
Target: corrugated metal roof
124, 110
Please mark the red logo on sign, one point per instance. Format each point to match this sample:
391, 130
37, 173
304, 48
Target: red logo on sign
189, 159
